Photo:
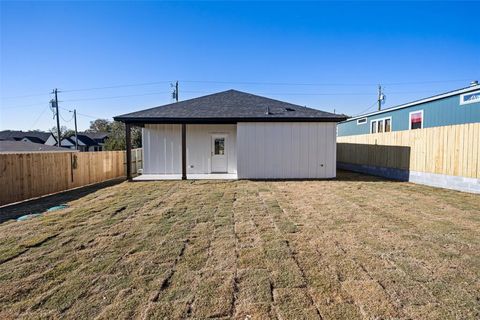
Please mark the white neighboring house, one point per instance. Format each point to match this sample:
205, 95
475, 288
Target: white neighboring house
233, 134
26, 136
51, 141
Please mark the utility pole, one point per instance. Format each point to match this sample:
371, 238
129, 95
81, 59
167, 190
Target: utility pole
175, 91
379, 97
59, 143
76, 136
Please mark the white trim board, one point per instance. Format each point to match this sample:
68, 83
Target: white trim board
476, 93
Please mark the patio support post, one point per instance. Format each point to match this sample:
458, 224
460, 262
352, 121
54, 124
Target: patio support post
129, 150
184, 151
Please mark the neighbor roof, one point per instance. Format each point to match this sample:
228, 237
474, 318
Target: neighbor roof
89, 142
421, 101
23, 146
95, 135
19, 135
35, 139
229, 107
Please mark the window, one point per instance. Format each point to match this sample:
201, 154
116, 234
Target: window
381, 125
388, 125
362, 121
470, 97
416, 120
219, 146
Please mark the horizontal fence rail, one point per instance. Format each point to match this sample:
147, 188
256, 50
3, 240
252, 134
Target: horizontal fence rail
28, 175
448, 150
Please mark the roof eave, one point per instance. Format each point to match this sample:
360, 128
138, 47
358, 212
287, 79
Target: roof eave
417, 102
152, 120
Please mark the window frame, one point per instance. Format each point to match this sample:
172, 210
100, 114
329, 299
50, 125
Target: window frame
363, 122
220, 146
466, 94
410, 119
383, 126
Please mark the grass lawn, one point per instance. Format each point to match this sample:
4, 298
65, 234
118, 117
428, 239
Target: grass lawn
355, 247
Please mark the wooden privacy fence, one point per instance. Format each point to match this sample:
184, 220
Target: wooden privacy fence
137, 160
28, 175
449, 150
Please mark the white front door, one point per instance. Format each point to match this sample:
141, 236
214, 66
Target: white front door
219, 153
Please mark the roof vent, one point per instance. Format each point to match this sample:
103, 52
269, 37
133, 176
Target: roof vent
289, 109
474, 83
267, 110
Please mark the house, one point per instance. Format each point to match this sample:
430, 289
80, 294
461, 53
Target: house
99, 137
234, 134
433, 141
9, 146
87, 141
28, 136
450, 108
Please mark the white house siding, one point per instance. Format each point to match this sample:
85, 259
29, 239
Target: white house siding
51, 141
282, 150
162, 148
199, 146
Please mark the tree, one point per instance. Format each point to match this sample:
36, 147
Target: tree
64, 132
100, 125
116, 138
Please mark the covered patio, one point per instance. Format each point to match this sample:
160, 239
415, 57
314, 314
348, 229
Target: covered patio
210, 176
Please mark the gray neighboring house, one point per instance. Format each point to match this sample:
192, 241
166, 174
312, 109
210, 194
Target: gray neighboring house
27, 136
12, 146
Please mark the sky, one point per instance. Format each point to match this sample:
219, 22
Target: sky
111, 58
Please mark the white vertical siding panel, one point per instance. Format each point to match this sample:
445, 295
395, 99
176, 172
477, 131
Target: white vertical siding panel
270, 163
304, 149
163, 148
199, 147
312, 150
296, 139
286, 150
323, 149
333, 150
240, 157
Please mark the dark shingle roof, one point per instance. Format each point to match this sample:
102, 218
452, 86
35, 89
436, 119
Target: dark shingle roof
85, 139
89, 142
229, 106
35, 139
97, 136
19, 135
23, 146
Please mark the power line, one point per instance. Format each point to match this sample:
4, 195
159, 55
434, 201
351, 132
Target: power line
320, 84
209, 92
117, 86
26, 96
115, 97
24, 106
246, 83
38, 118
66, 120
82, 114
367, 109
